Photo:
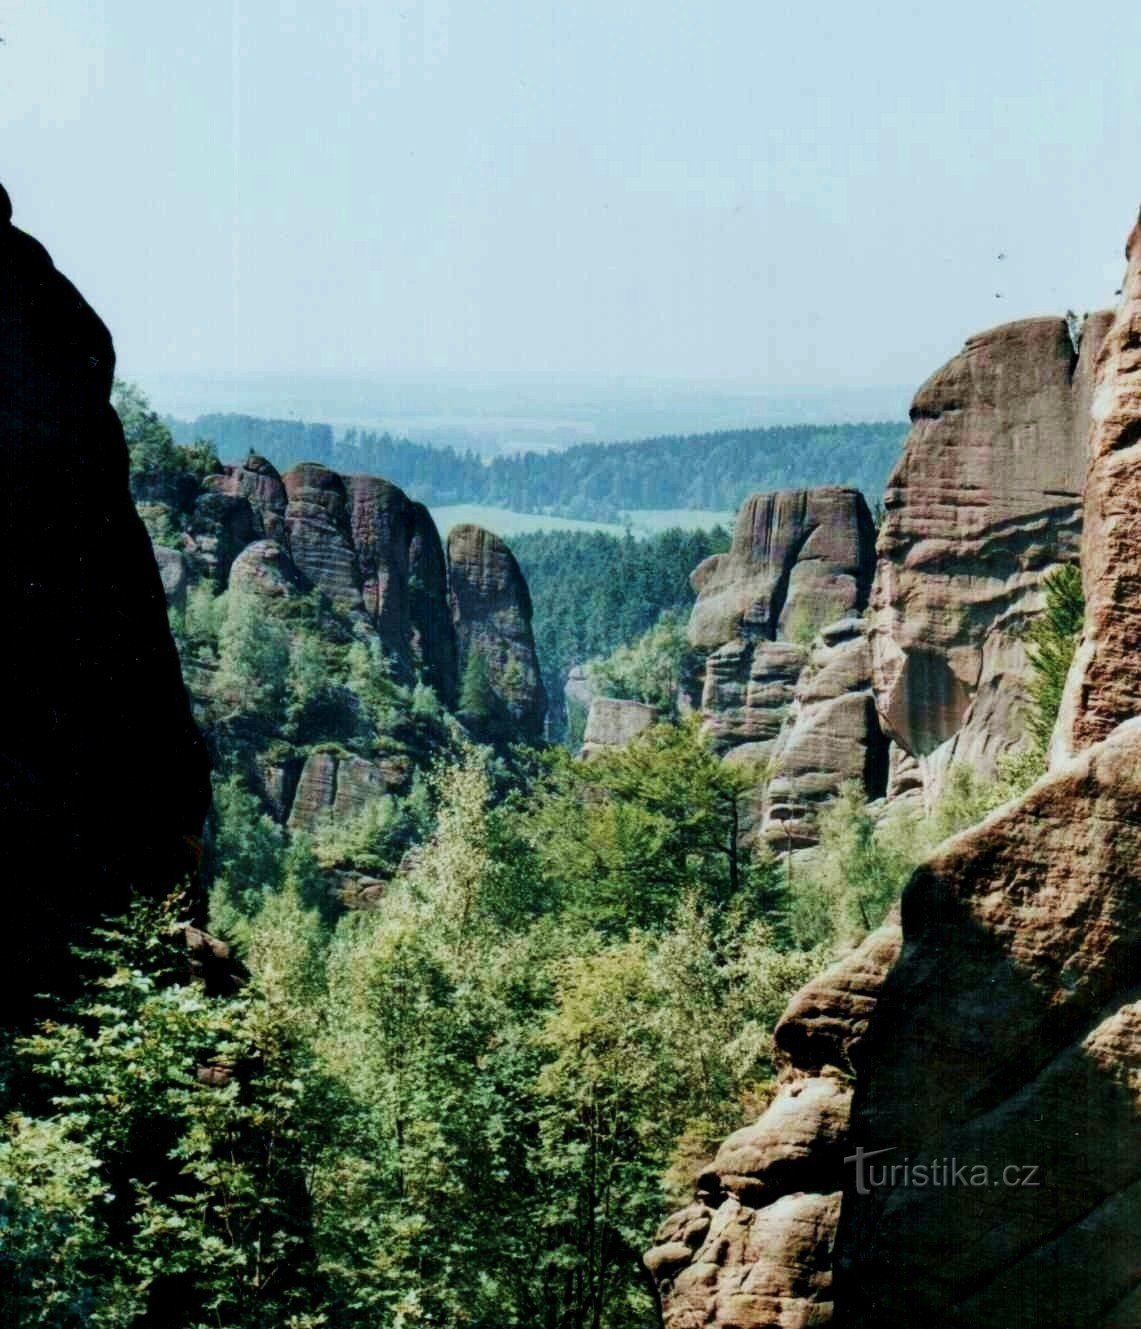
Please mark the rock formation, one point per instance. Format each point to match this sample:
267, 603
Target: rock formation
984, 502
754, 1249
1002, 1031
613, 723
1102, 688
105, 777
1007, 1035
784, 671
491, 613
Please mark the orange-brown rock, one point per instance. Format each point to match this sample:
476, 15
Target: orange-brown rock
1007, 1035
257, 481
984, 502
754, 1249
783, 672
1103, 686
340, 785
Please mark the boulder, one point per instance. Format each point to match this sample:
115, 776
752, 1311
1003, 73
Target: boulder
613, 723
265, 569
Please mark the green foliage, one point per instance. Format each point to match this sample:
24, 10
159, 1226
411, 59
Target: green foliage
1051, 640
150, 444
649, 669
247, 853
477, 697
165, 1177
254, 657
594, 593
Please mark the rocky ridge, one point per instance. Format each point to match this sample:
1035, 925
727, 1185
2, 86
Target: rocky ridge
1005, 1029
378, 561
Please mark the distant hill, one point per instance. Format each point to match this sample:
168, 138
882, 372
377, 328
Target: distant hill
592, 482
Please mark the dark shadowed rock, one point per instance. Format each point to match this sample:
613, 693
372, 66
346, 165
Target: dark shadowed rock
220, 527
103, 774
491, 614
257, 481
319, 535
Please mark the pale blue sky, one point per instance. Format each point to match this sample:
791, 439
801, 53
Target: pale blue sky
786, 195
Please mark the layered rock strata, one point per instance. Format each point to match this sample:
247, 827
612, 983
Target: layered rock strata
984, 503
1008, 1035
754, 1249
783, 675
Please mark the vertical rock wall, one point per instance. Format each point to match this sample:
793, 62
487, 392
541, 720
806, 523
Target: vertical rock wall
984, 502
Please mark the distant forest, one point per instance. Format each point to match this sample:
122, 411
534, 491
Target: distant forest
593, 592
591, 481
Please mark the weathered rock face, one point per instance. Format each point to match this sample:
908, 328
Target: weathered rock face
103, 774
754, 1250
404, 576
831, 735
1008, 1035
784, 671
613, 723
340, 785
491, 614
257, 481
1102, 688
984, 502
319, 534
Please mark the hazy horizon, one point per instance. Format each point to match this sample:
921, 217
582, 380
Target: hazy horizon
768, 204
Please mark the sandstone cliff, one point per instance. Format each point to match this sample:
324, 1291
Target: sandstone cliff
784, 671
1008, 1033
984, 502
1004, 1032
104, 774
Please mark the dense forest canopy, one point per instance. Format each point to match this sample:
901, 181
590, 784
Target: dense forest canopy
593, 592
596, 482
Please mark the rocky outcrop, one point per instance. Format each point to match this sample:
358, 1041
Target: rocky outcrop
984, 502
1102, 688
831, 735
340, 785
491, 614
754, 1249
783, 668
614, 723
1004, 1044
104, 777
